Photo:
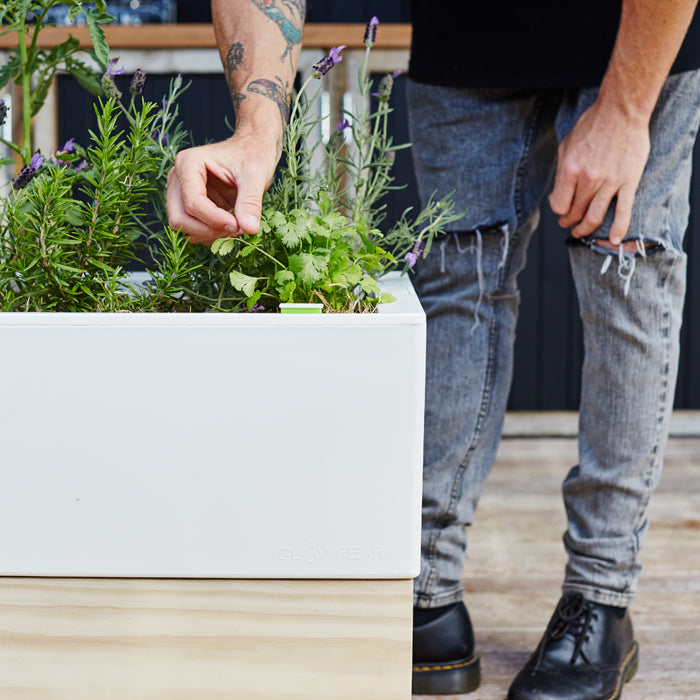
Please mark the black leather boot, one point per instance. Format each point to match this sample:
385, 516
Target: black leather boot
588, 652
443, 651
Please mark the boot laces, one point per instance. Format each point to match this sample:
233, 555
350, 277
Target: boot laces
573, 617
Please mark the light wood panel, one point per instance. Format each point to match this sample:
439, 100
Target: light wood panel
128, 639
513, 574
199, 36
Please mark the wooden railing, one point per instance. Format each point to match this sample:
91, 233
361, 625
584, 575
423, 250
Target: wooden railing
201, 36
191, 48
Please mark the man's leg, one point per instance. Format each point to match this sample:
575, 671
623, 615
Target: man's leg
631, 303
497, 149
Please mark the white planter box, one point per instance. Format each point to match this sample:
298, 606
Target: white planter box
213, 445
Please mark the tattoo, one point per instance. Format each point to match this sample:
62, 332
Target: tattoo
275, 90
290, 27
232, 62
234, 57
237, 99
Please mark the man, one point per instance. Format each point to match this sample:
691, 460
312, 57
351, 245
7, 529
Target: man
503, 95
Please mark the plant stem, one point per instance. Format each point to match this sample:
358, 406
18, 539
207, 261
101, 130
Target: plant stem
26, 99
264, 252
11, 145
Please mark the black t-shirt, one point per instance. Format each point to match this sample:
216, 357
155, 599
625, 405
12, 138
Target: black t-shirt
522, 43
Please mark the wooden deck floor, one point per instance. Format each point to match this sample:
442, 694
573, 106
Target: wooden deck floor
513, 574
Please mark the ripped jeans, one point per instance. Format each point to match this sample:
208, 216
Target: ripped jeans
497, 150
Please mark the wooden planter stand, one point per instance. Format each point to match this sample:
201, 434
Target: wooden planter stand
154, 639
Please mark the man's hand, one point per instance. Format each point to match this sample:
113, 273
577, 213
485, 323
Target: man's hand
604, 155
601, 159
216, 191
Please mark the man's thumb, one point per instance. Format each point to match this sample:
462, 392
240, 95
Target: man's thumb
248, 208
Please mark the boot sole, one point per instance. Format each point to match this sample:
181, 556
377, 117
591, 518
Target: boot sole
629, 668
447, 678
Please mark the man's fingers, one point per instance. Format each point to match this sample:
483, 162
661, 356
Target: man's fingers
187, 193
595, 213
196, 230
562, 195
623, 214
249, 204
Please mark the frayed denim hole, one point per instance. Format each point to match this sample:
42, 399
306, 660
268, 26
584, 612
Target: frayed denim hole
626, 254
476, 246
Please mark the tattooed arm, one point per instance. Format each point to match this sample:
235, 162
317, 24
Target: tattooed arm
216, 190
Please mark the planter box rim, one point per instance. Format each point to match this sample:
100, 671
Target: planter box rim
405, 310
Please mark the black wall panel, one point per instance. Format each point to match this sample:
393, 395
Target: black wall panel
548, 351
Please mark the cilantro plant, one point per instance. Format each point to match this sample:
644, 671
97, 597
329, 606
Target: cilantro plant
320, 238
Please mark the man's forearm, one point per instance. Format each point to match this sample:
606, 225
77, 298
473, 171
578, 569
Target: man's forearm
648, 40
259, 42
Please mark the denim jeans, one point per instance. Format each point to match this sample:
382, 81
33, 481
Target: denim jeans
497, 150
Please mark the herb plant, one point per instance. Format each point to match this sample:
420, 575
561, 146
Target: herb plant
320, 238
72, 221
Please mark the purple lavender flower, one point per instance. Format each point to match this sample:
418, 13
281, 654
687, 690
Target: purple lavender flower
113, 69
138, 82
4, 109
68, 147
342, 125
412, 256
396, 73
256, 308
28, 172
386, 85
155, 135
371, 32
81, 166
327, 62
109, 88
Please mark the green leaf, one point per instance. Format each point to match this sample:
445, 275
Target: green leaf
9, 70
352, 275
284, 276
99, 43
39, 96
85, 76
222, 246
61, 51
335, 220
387, 298
253, 300
308, 267
74, 11
243, 283
286, 292
276, 218
369, 285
